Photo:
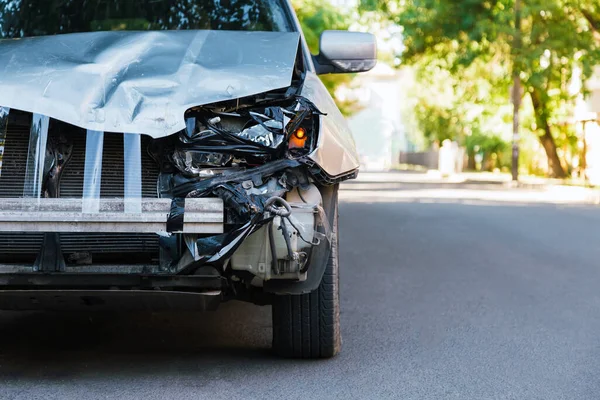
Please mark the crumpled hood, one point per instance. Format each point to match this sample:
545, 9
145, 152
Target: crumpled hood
140, 82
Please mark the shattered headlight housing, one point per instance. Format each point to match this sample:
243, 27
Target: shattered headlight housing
218, 137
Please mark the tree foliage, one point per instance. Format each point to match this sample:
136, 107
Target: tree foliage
315, 17
470, 108
559, 38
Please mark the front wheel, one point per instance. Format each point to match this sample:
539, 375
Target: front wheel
308, 325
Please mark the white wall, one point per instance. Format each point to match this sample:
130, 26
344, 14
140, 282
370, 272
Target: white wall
378, 128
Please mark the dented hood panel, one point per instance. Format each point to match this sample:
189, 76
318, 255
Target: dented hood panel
140, 82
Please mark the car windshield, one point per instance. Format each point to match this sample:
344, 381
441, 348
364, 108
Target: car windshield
23, 18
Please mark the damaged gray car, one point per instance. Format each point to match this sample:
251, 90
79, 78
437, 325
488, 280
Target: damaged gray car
174, 155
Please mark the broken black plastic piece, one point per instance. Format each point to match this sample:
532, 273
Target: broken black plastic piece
175, 220
199, 187
50, 257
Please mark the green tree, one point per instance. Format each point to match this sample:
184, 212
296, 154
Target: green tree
469, 107
315, 17
558, 37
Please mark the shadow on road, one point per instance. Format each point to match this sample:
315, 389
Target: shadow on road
57, 345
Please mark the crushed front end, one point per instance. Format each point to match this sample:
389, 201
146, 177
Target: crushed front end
216, 211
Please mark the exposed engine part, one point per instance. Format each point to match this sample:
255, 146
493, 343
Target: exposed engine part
180, 186
279, 250
58, 154
258, 215
273, 188
308, 195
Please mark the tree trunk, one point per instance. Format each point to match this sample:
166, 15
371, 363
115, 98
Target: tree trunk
546, 139
471, 165
554, 165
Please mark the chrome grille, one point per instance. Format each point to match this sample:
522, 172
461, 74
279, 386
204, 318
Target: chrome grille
20, 243
108, 243
24, 247
12, 244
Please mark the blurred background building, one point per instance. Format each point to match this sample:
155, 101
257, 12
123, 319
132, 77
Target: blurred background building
377, 125
587, 117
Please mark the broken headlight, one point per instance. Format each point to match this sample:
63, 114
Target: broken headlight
223, 137
195, 163
266, 132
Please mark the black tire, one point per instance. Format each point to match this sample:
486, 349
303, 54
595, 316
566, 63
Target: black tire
308, 325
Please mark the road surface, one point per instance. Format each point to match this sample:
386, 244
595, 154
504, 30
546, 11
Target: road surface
445, 296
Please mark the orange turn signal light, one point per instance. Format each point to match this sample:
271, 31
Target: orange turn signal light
300, 133
298, 139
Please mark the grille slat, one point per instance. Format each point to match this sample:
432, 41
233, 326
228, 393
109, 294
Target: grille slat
20, 243
108, 243
14, 159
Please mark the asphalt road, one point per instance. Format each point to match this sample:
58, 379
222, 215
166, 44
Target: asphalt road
441, 299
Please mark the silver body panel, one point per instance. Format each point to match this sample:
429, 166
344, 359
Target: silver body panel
140, 82
336, 151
